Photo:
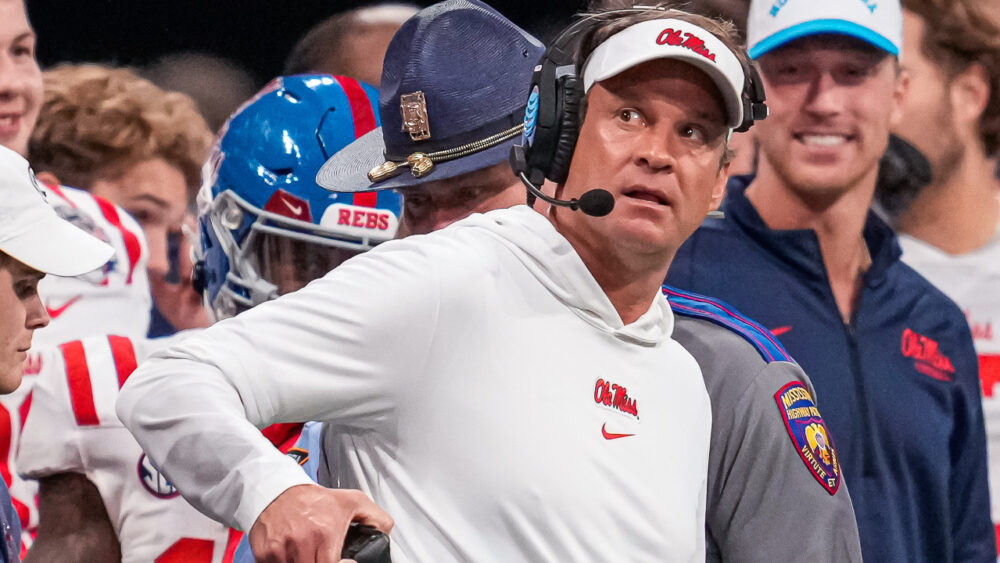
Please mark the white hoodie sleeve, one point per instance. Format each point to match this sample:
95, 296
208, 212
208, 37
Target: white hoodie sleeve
342, 349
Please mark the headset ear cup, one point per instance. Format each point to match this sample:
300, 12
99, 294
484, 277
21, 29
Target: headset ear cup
571, 93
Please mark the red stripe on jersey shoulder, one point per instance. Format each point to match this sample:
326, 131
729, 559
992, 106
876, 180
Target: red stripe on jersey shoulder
132, 246
361, 106
124, 354
81, 391
58, 191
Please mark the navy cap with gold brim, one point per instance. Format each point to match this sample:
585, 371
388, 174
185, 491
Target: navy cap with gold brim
452, 100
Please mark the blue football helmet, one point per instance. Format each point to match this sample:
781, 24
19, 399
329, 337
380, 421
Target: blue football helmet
266, 227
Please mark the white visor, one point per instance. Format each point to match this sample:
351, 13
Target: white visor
670, 39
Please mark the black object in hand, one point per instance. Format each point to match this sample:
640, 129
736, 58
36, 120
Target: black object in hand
365, 544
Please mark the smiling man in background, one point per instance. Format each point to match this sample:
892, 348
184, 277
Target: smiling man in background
890, 356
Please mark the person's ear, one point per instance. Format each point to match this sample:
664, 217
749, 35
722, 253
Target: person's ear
719, 189
970, 93
47, 177
898, 96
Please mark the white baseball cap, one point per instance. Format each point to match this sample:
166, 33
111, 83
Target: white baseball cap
773, 23
32, 232
670, 39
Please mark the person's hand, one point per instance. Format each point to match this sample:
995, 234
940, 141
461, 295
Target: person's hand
307, 524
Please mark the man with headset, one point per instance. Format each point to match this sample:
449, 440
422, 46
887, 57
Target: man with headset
660, 111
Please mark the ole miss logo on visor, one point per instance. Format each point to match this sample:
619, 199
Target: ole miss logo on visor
688, 40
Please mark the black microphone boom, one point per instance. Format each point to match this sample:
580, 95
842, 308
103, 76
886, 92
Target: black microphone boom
596, 202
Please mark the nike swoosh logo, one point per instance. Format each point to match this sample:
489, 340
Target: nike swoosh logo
612, 436
778, 331
54, 313
296, 209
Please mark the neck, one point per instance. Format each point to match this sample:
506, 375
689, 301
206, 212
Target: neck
838, 219
957, 214
630, 280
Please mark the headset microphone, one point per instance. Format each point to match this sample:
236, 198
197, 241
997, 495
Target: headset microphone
596, 202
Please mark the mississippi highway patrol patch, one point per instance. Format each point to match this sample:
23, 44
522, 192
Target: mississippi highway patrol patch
809, 434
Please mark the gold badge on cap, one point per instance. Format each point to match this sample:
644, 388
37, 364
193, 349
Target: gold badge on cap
415, 120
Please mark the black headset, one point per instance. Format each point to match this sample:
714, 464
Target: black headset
553, 113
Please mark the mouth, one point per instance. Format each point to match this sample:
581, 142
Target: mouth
10, 124
824, 140
645, 194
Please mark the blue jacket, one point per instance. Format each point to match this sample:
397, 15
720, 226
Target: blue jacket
898, 386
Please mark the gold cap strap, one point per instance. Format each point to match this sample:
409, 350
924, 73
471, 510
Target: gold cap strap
421, 164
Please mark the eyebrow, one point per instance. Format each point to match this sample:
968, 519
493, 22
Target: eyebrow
29, 272
26, 35
160, 202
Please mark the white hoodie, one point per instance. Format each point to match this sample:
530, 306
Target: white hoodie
477, 384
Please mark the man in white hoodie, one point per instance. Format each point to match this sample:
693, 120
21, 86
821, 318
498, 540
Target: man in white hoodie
506, 388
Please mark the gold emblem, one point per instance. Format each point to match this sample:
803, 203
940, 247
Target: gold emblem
414, 109
383, 171
420, 164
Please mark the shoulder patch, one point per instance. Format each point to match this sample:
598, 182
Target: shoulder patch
698, 306
809, 434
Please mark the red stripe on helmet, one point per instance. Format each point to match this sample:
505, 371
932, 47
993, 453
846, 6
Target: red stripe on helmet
361, 106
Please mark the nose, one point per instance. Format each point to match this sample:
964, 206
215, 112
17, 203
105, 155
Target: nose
653, 150
36, 316
156, 237
826, 97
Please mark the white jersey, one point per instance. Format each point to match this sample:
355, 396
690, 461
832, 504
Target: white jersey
114, 298
72, 428
476, 382
972, 281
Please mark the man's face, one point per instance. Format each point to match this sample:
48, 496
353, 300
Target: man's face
654, 137
20, 77
832, 101
434, 205
21, 313
155, 193
929, 117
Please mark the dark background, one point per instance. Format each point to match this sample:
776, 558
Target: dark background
256, 33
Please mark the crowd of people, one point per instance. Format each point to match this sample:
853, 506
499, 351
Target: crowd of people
706, 282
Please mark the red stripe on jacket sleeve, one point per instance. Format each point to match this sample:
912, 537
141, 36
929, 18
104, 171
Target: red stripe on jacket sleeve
81, 391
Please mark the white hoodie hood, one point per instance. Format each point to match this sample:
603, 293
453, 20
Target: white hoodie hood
557, 266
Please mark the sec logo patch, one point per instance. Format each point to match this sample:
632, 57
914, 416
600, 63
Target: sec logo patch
154, 481
809, 434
